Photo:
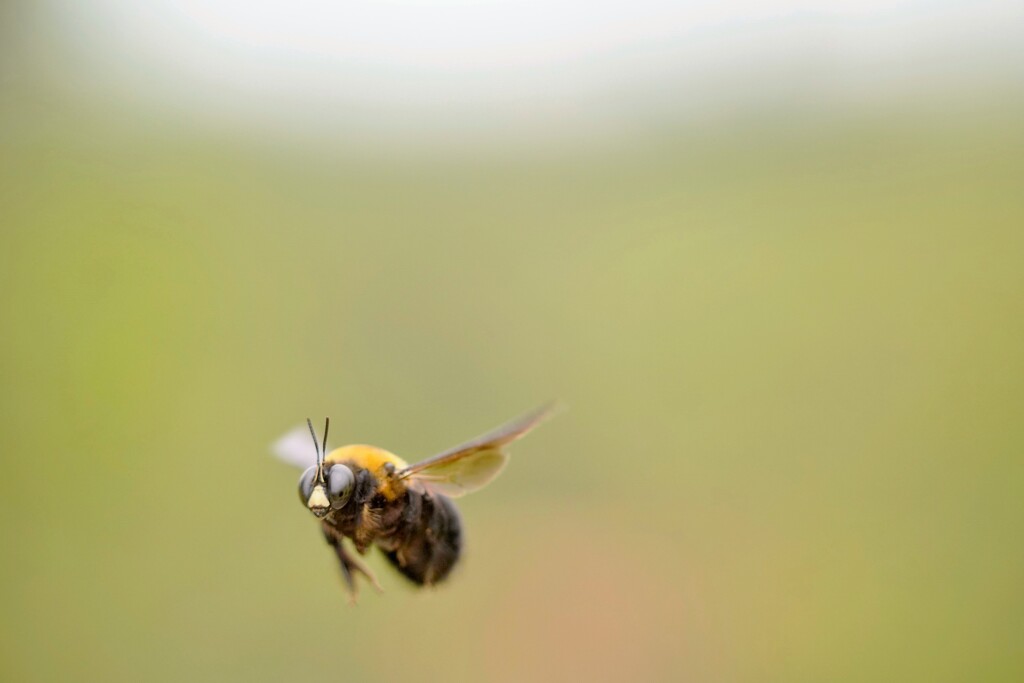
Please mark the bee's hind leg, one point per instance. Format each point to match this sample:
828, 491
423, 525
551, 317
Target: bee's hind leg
350, 566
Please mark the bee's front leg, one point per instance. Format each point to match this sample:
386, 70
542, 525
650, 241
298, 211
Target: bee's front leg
350, 566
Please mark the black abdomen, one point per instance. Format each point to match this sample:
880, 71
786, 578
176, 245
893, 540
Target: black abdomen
428, 540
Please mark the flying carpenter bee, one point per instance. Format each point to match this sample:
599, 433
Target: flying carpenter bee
372, 497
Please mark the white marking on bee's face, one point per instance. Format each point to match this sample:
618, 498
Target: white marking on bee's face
318, 499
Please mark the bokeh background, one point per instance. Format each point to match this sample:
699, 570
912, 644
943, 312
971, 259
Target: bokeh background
771, 256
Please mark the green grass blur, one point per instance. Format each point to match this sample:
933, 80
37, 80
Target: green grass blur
792, 353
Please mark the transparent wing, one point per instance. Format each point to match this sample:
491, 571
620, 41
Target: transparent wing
296, 448
474, 464
459, 477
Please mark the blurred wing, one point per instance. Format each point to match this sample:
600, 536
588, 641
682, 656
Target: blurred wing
296, 448
476, 463
459, 477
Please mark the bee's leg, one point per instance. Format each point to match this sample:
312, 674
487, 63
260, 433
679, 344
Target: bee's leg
350, 582
350, 566
352, 563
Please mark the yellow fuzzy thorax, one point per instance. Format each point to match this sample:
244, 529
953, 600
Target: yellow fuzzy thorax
372, 459
368, 457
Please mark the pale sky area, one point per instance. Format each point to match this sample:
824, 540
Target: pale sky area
535, 62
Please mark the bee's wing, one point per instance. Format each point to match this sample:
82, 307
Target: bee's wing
296, 448
476, 463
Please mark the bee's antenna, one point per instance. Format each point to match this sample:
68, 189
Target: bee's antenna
316, 445
323, 449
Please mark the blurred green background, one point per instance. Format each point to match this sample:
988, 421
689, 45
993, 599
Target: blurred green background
789, 337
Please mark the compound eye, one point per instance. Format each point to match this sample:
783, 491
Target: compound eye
340, 482
306, 484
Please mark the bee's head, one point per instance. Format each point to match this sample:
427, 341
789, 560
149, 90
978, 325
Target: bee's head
325, 487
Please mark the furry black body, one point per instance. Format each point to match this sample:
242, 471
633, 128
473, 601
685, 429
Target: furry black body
419, 532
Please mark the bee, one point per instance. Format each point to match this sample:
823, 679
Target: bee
366, 496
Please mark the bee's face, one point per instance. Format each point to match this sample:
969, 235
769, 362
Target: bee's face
326, 489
